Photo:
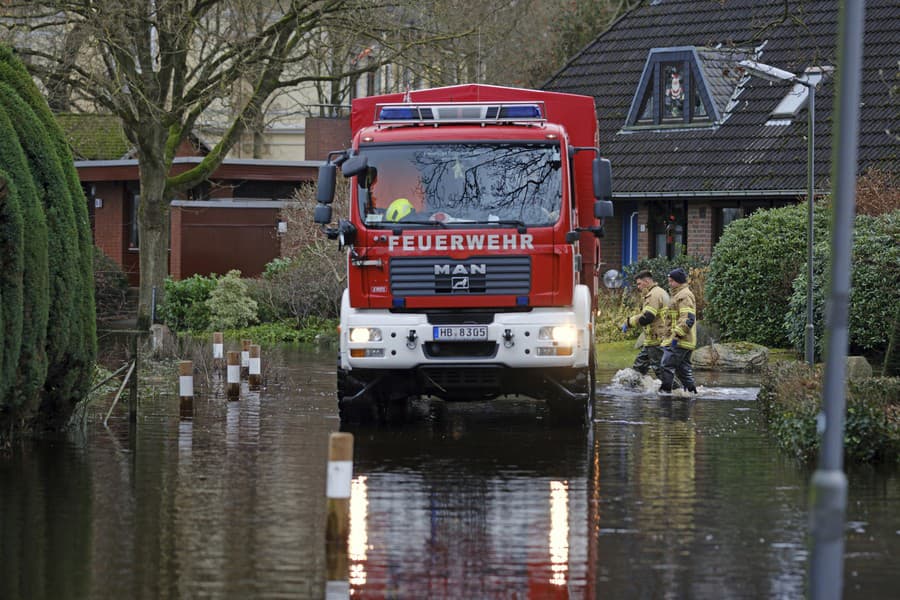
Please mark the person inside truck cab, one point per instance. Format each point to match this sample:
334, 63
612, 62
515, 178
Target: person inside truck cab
397, 185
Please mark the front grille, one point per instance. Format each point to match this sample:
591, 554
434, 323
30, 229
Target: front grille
460, 349
442, 276
463, 377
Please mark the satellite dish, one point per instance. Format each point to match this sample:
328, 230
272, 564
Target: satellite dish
613, 279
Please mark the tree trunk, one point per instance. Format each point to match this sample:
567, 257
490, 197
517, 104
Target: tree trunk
153, 223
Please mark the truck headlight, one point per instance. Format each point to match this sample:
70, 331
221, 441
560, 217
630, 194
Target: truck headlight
565, 335
365, 334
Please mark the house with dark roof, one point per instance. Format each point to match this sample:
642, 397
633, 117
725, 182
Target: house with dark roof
229, 222
697, 141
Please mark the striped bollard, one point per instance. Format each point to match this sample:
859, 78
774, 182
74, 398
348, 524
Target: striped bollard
255, 367
337, 571
340, 475
186, 388
218, 350
245, 358
234, 376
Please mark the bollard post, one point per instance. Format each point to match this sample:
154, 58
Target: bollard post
245, 358
133, 389
337, 575
340, 475
234, 376
218, 350
186, 388
255, 367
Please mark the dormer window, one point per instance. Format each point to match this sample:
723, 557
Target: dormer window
683, 87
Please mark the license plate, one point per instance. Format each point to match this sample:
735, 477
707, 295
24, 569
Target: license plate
461, 332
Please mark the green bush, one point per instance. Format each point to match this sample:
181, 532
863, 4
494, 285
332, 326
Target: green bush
23, 395
67, 367
185, 305
12, 263
874, 309
752, 270
230, 305
286, 332
790, 400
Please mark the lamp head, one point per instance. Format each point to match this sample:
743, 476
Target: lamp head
767, 72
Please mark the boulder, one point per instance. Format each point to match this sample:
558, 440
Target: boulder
858, 367
738, 356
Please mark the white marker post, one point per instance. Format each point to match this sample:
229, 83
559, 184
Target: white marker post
218, 350
186, 388
234, 375
337, 529
255, 367
245, 358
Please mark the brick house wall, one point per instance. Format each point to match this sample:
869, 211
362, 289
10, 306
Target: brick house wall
324, 135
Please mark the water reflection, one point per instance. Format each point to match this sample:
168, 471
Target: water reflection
484, 501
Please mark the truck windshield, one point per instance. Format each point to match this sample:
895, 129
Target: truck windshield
462, 183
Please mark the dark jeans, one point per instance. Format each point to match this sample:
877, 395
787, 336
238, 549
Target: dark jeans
649, 356
676, 362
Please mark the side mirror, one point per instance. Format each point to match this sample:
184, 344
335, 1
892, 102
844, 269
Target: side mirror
355, 165
322, 216
602, 179
325, 184
603, 208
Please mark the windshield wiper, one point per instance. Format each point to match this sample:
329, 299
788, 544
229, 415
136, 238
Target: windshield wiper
520, 225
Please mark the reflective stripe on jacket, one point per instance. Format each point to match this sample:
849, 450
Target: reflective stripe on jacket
683, 315
653, 316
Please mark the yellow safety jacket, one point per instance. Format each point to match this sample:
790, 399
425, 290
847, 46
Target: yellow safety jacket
653, 316
683, 317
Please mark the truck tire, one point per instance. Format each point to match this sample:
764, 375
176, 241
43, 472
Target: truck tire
359, 410
564, 409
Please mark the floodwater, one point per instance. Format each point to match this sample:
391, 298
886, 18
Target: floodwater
662, 498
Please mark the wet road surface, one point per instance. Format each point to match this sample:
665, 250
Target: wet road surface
662, 498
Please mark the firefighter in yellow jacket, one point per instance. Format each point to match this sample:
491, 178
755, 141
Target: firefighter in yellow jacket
654, 319
677, 349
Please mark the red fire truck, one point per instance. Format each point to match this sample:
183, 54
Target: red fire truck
472, 247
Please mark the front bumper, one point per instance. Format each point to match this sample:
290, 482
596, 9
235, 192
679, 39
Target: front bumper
407, 340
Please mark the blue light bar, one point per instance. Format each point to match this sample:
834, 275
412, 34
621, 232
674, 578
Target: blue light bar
521, 300
399, 303
522, 111
398, 113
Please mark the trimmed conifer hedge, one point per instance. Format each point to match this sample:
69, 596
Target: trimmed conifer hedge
46, 287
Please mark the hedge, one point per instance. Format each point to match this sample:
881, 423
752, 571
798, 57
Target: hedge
64, 330
14, 73
790, 400
23, 395
874, 307
752, 270
11, 264
52, 263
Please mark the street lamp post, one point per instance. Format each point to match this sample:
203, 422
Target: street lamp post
771, 73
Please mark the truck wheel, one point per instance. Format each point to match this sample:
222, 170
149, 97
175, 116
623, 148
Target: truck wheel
360, 410
583, 383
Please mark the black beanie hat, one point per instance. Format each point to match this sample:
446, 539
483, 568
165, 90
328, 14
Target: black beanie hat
678, 275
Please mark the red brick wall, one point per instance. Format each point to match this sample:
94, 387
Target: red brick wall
109, 220
324, 135
699, 229
643, 230
611, 245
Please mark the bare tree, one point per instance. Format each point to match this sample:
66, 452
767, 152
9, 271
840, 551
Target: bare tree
159, 65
